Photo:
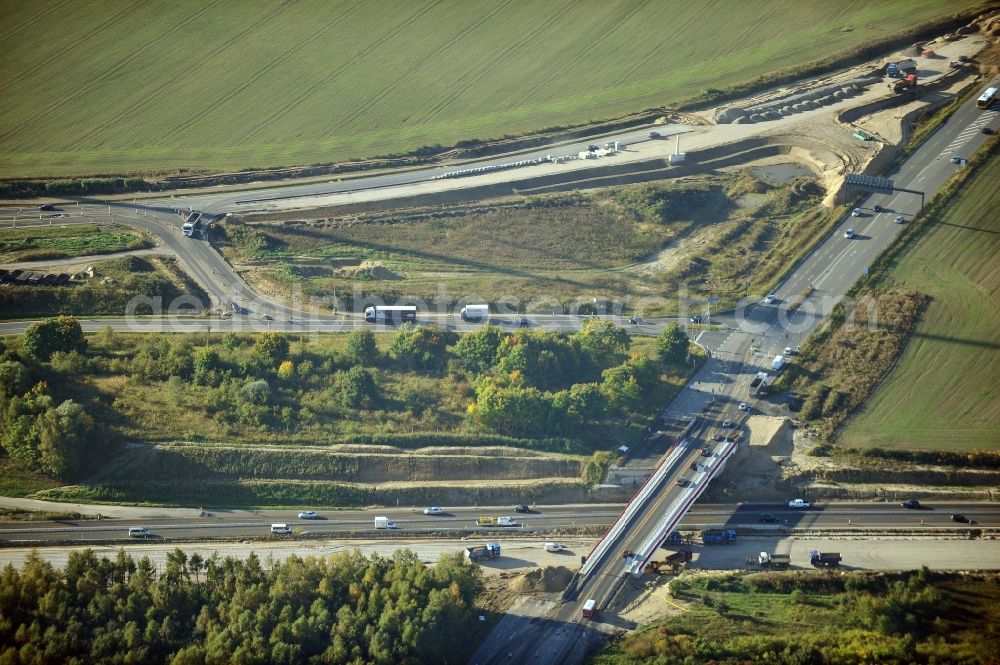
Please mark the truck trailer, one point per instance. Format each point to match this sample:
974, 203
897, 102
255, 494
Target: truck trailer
384, 523
828, 559
775, 561
496, 521
488, 551
391, 314
726, 537
475, 313
672, 564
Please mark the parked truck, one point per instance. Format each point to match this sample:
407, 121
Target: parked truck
759, 384
488, 551
496, 521
775, 561
901, 68
672, 564
828, 559
675, 538
726, 537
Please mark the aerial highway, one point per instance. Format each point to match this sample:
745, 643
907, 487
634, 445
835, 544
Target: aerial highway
244, 524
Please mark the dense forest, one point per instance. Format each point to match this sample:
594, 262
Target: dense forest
346, 608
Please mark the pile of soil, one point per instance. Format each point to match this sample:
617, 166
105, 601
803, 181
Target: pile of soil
368, 270
542, 580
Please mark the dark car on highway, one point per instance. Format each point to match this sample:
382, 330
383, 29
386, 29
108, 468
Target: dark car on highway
522, 509
768, 518
47, 207
910, 503
958, 517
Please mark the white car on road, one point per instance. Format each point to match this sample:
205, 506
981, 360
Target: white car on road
856, 212
798, 503
307, 515
553, 547
433, 510
770, 298
849, 233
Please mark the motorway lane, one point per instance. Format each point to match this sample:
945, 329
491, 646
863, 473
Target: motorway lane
754, 334
249, 524
307, 323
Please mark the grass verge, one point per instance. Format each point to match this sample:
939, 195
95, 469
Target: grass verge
38, 243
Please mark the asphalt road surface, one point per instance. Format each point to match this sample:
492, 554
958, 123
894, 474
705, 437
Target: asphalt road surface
242, 524
246, 201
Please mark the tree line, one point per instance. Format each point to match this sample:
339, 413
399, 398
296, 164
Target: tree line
49, 435
525, 384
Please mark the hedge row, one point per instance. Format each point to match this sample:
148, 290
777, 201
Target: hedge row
24, 189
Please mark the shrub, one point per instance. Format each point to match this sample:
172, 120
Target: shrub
360, 348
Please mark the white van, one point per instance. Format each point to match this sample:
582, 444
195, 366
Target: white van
138, 532
280, 529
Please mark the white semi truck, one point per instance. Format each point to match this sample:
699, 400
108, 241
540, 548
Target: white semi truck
391, 314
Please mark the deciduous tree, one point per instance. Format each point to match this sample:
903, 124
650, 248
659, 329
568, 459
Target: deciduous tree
63, 333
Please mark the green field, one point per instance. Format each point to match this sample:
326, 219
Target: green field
114, 87
60, 242
943, 394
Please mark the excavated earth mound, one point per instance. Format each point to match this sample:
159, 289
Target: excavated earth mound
542, 580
